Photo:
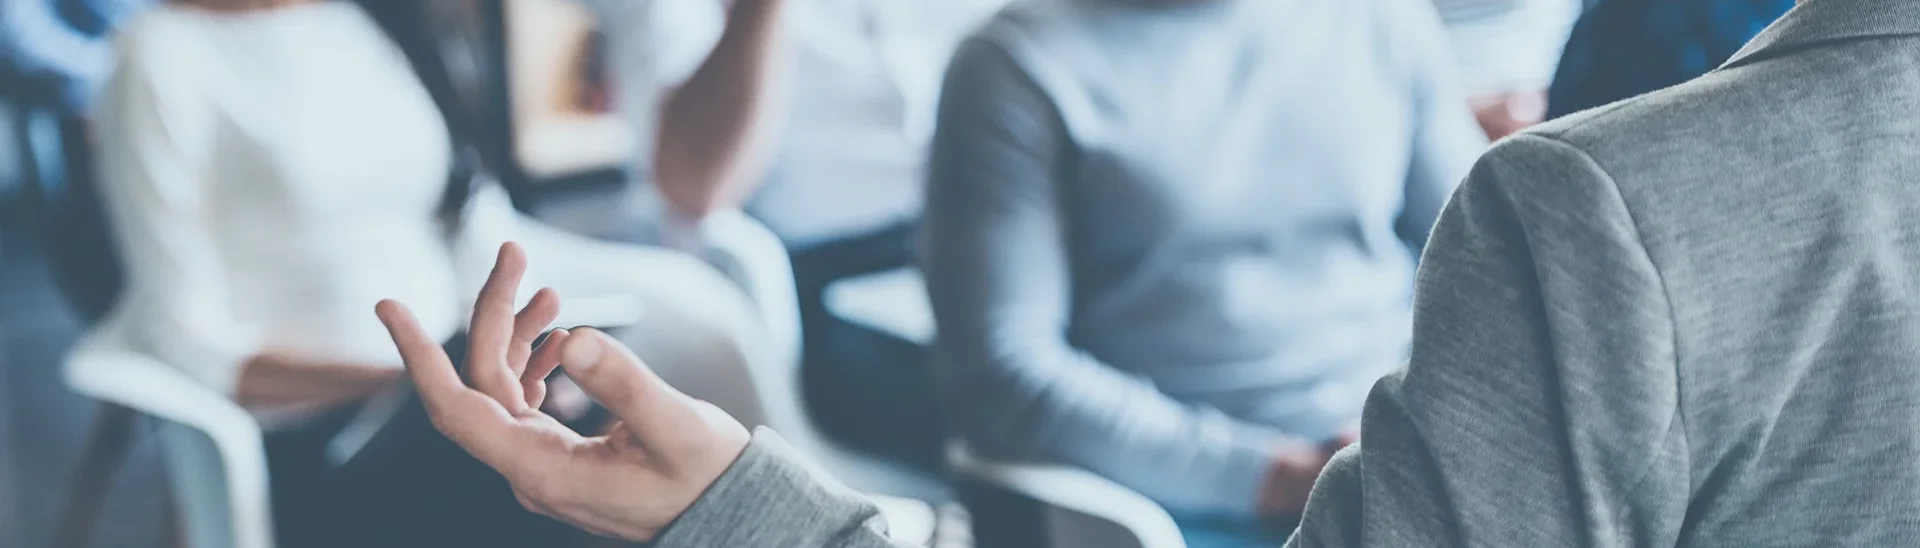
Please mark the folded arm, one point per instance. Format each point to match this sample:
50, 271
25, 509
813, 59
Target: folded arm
1540, 404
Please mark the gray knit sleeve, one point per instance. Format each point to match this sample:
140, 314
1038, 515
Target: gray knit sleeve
771, 498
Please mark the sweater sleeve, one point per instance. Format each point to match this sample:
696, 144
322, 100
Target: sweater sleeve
1445, 139
155, 131
997, 271
1539, 406
770, 497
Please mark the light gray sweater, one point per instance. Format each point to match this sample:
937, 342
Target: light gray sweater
1691, 319
1166, 240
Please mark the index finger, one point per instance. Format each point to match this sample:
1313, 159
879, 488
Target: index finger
471, 419
427, 362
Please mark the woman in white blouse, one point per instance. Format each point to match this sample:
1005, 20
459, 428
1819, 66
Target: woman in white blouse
275, 167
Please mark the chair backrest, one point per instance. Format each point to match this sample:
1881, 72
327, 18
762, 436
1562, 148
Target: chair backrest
78, 236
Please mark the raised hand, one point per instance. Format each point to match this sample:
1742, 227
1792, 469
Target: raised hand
667, 449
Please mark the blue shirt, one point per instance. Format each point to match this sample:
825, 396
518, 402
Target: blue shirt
1624, 48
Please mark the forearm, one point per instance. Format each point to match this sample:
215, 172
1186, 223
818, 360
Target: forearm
714, 130
1190, 458
275, 380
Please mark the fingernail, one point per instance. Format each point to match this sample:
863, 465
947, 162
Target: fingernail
385, 309
557, 335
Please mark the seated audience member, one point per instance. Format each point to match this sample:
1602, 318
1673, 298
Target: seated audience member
1166, 245
1683, 320
1623, 48
1507, 51
274, 167
814, 115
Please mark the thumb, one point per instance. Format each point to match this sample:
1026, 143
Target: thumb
616, 378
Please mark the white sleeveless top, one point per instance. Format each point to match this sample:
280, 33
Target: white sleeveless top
272, 175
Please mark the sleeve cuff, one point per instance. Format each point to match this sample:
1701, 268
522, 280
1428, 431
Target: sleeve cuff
770, 497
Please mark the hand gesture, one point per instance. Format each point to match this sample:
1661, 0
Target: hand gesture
651, 466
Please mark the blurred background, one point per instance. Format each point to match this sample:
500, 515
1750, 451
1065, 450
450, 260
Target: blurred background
200, 201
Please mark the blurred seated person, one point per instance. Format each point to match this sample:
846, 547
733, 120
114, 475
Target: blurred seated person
274, 167
1187, 284
1507, 51
1624, 48
814, 116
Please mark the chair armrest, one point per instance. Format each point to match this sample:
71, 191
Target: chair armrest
908, 520
100, 368
1076, 490
562, 247
892, 302
749, 253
